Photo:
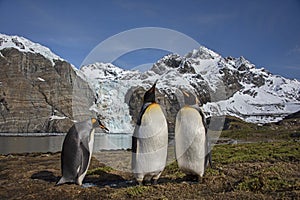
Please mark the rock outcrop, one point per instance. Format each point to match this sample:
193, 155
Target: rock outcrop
37, 96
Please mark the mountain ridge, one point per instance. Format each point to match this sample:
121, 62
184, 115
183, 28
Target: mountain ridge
224, 86
221, 86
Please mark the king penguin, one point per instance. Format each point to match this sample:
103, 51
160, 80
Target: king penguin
191, 142
149, 141
77, 151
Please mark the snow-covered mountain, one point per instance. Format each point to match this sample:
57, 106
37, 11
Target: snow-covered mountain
25, 45
223, 86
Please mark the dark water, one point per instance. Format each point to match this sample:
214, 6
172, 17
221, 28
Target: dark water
53, 143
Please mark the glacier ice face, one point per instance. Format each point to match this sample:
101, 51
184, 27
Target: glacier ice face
115, 110
111, 92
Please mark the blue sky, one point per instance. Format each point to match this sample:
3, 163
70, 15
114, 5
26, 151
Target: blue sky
266, 32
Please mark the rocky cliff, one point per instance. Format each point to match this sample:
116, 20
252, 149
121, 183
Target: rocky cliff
38, 93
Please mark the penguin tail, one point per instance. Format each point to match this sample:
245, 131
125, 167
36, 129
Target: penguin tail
61, 181
208, 160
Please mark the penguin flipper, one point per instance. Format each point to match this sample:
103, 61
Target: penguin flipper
85, 158
134, 145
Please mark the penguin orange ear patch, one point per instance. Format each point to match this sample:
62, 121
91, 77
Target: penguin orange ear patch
94, 120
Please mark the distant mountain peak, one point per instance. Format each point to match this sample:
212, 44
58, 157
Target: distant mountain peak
202, 53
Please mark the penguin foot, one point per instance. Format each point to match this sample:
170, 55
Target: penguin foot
200, 179
139, 182
192, 178
154, 181
155, 178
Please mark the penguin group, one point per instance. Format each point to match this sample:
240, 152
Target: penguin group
149, 143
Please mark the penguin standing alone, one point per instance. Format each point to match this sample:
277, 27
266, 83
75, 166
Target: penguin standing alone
191, 143
77, 151
149, 140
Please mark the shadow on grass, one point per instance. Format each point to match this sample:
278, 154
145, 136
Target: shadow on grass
106, 176
45, 176
98, 179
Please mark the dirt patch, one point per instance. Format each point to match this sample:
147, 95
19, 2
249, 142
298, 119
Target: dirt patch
273, 175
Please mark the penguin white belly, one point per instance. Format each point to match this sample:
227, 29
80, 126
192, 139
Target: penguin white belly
190, 141
151, 142
91, 146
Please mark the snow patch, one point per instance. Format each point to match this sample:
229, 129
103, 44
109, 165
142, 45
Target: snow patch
53, 117
41, 79
25, 45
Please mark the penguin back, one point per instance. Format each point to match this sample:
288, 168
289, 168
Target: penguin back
190, 140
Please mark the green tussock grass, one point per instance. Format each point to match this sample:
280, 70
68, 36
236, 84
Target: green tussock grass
276, 177
240, 130
172, 171
253, 152
100, 170
267, 183
137, 190
266, 168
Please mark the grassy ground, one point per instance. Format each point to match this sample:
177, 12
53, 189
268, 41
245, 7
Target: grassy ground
284, 130
267, 168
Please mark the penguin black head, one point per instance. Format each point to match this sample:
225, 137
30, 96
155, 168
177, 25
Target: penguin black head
149, 96
97, 123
